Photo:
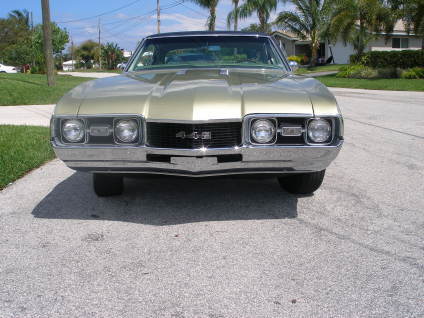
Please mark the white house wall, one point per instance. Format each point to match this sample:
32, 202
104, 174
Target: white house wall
341, 52
380, 44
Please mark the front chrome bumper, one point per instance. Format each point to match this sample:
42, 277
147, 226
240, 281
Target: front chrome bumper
198, 162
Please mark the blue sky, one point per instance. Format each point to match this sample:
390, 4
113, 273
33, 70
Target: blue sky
125, 26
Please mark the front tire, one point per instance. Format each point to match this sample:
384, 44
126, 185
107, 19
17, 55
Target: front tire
106, 185
305, 183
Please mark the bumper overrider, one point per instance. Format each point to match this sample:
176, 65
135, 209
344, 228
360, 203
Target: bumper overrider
204, 161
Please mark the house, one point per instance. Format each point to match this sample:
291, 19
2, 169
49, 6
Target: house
69, 65
126, 54
398, 40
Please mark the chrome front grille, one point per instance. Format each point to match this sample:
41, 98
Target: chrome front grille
193, 136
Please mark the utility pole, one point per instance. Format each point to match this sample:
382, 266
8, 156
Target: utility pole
72, 53
100, 49
158, 14
48, 47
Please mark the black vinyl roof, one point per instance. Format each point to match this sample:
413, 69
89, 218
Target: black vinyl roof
206, 33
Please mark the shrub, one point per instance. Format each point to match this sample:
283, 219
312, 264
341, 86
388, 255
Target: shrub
390, 59
355, 59
413, 73
300, 59
36, 70
295, 58
358, 71
388, 72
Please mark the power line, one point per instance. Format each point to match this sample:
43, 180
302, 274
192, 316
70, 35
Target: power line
145, 18
113, 35
101, 14
125, 20
139, 18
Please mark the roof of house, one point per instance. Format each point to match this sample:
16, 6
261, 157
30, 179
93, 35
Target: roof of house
288, 34
70, 62
400, 26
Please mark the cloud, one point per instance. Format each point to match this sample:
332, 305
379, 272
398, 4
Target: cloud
121, 15
181, 22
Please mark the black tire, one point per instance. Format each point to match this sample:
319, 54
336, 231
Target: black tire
305, 183
106, 185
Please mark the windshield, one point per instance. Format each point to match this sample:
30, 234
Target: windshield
207, 51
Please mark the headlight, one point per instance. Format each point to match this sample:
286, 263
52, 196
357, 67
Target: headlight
319, 130
73, 130
126, 130
263, 131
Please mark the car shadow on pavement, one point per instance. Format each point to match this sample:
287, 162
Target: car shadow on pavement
164, 200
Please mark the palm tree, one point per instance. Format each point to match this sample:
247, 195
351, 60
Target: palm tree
211, 6
307, 21
20, 17
262, 8
358, 21
233, 18
112, 54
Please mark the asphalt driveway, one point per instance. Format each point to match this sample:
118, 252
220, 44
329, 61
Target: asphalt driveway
230, 247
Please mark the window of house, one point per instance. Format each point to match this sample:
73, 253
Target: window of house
400, 43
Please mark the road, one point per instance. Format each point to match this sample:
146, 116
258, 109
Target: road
230, 247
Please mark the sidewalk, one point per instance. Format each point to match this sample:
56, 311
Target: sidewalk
320, 73
89, 74
34, 115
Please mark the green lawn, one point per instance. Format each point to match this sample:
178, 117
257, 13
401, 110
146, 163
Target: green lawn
392, 84
324, 68
22, 149
32, 89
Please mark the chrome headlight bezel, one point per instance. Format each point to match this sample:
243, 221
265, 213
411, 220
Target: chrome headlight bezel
103, 121
65, 140
331, 124
139, 133
253, 121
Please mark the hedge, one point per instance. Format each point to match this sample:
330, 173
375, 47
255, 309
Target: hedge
401, 59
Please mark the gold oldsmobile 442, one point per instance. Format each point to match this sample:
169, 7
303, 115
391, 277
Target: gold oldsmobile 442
201, 104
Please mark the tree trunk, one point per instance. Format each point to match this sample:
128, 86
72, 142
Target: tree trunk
314, 54
262, 21
47, 42
236, 14
212, 18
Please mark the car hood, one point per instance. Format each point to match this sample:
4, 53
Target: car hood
195, 94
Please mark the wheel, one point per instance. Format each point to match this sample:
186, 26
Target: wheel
305, 183
106, 185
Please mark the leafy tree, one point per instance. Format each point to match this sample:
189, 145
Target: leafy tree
211, 6
21, 44
15, 37
358, 21
307, 21
112, 54
60, 38
262, 8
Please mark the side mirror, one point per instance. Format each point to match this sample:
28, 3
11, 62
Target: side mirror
294, 66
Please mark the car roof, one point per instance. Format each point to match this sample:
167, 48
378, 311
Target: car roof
206, 33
